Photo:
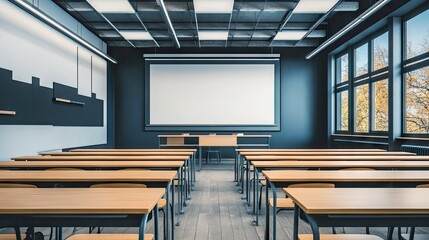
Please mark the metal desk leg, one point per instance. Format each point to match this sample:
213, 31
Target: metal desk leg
273, 188
257, 199
235, 166
58, 233
173, 211
200, 154
314, 227
254, 190
142, 229
170, 186
188, 179
295, 222
244, 181
248, 182
194, 177
156, 221
180, 191
267, 213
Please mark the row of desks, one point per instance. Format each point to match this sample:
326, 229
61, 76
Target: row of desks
334, 160
180, 162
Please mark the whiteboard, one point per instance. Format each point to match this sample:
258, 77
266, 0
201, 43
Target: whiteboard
212, 94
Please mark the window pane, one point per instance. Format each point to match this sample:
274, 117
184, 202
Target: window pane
381, 51
417, 101
362, 108
361, 60
343, 68
417, 35
381, 105
343, 111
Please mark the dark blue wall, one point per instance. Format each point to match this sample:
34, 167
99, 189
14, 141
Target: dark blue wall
303, 98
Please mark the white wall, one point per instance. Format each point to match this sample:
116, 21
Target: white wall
30, 48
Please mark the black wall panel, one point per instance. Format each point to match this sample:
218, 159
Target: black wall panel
35, 105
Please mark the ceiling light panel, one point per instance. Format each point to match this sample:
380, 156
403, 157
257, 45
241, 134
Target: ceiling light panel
136, 35
314, 6
290, 35
111, 6
211, 6
213, 35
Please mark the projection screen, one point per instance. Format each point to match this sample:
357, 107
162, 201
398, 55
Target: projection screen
212, 94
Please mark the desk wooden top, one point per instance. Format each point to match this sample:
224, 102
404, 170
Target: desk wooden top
338, 158
117, 153
346, 176
135, 150
325, 153
361, 200
101, 158
87, 176
341, 164
79, 200
91, 164
308, 150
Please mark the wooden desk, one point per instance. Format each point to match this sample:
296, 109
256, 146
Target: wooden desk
77, 207
42, 162
262, 165
134, 150
283, 178
310, 150
343, 156
101, 158
360, 207
326, 153
92, 165
122, 153
191, 173
211, 140
79, 179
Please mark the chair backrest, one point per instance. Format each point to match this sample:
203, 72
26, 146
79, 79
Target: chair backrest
119, 185
423, 186
64, 169
312, 185
358, 169
16, 185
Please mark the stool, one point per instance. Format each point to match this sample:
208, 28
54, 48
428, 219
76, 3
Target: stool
217, 152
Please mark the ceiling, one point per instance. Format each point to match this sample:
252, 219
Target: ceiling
253, 23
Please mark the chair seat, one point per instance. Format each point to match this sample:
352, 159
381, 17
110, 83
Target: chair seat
10, 236
161, 203
340, 237
109, 237
263, 182
416, 236
282, 203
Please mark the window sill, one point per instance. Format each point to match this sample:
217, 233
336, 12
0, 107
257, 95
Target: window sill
360, 136
412, 138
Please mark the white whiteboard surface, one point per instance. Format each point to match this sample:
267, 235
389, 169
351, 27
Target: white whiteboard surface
212, 94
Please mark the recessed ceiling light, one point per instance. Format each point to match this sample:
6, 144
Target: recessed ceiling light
213, 6
314, 6
213, 35
111, 6
290, 35
136, 35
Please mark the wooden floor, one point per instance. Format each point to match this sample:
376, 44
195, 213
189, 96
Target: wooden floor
216, 211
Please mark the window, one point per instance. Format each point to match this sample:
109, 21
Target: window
417, 35
361, 60
361, 115
416, 75
363, 97
343, 63
342, 94
380, 51
343, 111
380, 105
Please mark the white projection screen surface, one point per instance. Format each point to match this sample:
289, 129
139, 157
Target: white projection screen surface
212, 94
